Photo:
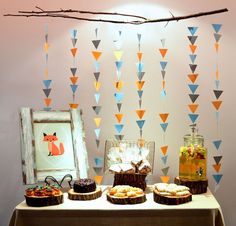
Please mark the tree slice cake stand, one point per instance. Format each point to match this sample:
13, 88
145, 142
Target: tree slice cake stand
196, 187
84, 196
171, 200
126, 200
39, 201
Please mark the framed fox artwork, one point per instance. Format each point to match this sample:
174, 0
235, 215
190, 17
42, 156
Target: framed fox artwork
52, 143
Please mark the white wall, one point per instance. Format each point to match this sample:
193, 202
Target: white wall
22, 65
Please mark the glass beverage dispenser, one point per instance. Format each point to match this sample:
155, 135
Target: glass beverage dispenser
193, 157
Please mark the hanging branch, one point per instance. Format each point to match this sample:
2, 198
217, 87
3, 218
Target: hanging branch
142, 20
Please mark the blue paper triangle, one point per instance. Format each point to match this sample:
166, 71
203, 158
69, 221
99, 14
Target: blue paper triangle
217, 178
46, 57
140, 123
119, 97
193, 87
217, 83
73, 33
139, 67
217, 144
47, 109
163, 64
118, 65
193, 117
47, 83
164, 159
192, 30
140, 93
217, 115
98, 161
163, 93
216, 27
193, 57
119, 127
97, 132
97, 66
139, 37
74, 88
164, 126
97, 97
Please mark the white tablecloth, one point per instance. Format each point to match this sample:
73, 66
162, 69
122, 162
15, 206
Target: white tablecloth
204, 210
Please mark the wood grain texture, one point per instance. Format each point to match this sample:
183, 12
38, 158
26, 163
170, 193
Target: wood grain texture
126, 200
84, 196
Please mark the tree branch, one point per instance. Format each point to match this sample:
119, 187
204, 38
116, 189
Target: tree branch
142, 20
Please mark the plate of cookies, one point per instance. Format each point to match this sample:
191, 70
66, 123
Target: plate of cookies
125, 194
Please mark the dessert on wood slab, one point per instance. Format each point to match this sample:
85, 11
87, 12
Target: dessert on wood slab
84, 189
171, 194
125, 194
43, 196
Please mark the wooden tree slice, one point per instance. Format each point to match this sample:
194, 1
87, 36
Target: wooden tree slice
134, 180
37, 201
84, 196
196, 187
127, 200
171, 200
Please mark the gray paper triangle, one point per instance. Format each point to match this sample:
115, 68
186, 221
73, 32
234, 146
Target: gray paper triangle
193, 97
96, 75
73, 70
218, 93
46, 37
163, 73
165, 170
47, 92
217, 37
96, 43
120, 32
217, 159
119, 137
96, 32
193, 67
140, 103
163, 41
97, 142
74, 40
192, 39
140, 75
119, 106
97, 169
97, 109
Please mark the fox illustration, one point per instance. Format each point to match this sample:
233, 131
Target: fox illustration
52, 147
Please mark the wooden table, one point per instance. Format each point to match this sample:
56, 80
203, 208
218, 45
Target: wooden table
203, 210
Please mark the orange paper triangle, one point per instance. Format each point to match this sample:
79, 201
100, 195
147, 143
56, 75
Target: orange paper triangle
119, 117
163, 84
217, 74
46, 46
165, 179
140, 84
217, 46
74, 79
217, 167
97, 121
73, 51
74, 106
164, 149
164, 116
217, 104
193, 107
98, 179
96, 54
163, 52
139, 55
119, 85
46, 73
47, 101
97, 85
193, 48
193, 77
140, 113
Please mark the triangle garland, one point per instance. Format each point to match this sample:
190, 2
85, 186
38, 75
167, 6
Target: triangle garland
164, 126
97, 109
217, 158
193, 107
193, 97
140, 113
193, 77
164, 149
193, 117
96, 43
192, 30
217, 104
164, 116
217, 93
217, 27
140, 123
193, 87
97, 97
163, 52
119, 137
119, 117
47, 83
217, 178
96, 55
119, 127
164, 159
165, 179
165, 170
217, 144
